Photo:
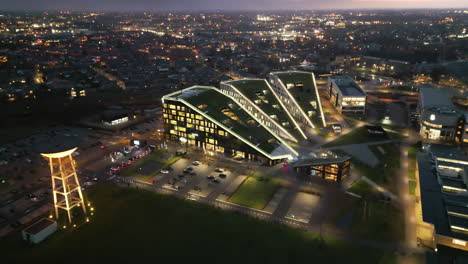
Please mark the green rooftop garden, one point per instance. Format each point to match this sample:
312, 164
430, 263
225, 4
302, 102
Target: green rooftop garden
254, 90
303, 92
226, 111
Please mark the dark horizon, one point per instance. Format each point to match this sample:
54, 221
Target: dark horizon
223, 5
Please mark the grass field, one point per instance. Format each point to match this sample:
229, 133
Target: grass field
157, 157
378, 221
386, 170
412, 187
135, 226
412, 163
255, 192
358, 136
361, 188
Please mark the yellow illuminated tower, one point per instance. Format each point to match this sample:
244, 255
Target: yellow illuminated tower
65, 184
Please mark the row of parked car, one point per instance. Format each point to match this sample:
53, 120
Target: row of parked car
115, 169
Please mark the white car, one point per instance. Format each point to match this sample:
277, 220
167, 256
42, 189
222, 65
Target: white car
196, 163
336, 128
165, 171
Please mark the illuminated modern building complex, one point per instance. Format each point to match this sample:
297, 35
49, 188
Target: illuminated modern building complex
326, 165
204, 117
254, 120
297, 91
439, 120
65, 185
346, 95
257, 97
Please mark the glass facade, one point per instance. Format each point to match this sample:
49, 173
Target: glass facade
329, 171
183, 124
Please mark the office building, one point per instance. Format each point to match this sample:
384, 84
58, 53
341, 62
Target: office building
346, 95
443, 178
439, 120
206, 118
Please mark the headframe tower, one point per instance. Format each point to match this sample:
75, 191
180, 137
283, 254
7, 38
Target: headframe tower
65, 184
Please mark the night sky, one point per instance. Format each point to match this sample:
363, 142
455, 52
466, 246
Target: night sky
197, 5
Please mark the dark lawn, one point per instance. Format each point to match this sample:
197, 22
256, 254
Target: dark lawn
362, 188
378, 221
255, 192
134, 226
357, 136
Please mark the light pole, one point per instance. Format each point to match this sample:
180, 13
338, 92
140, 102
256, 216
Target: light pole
184, 141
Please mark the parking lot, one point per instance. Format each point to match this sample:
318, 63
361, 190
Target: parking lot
195, 178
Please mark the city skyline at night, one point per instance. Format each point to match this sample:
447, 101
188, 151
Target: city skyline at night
249, 131
224, 5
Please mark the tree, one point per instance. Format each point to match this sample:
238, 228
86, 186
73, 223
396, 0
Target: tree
437, 73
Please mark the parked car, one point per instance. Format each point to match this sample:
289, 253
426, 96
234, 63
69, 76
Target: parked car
196, 163
219, 170
216, 181
222, 175
337, 128
165, 171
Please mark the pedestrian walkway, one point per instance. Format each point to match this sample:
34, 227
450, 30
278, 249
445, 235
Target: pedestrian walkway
380, 188
276, 200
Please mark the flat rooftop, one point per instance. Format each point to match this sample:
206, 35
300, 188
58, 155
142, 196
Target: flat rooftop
347, 86
224, 110
436, 204
431, 96
448, 152
321, 158
39, 226
257, 91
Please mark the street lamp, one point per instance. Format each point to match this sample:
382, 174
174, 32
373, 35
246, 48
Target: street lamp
184, 141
